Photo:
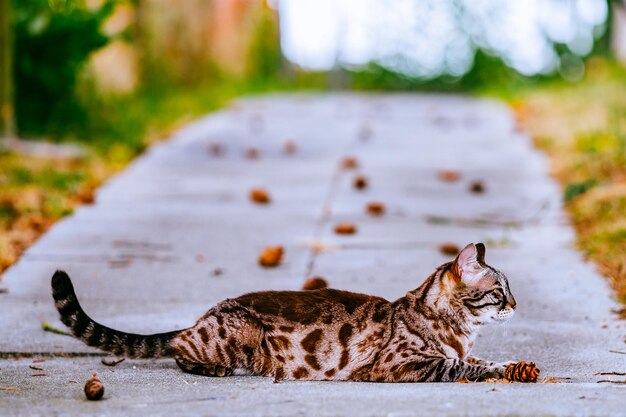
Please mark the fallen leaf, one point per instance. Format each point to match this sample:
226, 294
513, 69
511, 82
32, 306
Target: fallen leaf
259, 196
345, 229
271, 256
349, 162
449, 175
375, 208
314, 283
450, 249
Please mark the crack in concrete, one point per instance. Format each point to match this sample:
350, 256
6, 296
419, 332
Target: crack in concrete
21, 355
324, 218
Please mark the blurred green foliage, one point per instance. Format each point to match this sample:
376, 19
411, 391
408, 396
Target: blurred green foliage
53, 39
574, 189
265, 56
488, 72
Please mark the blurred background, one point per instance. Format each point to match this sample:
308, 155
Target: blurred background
86, 85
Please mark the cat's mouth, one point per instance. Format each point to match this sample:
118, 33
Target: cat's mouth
504, 314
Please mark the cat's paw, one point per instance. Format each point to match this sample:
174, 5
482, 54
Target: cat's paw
477, 361
204, 369
499, 368
217, 370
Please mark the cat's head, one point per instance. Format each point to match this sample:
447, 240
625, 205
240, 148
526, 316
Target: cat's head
482, 290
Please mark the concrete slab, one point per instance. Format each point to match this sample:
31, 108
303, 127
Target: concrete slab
144, 258
157, 388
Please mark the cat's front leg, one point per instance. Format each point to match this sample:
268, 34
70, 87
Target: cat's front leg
477, 361
442, 370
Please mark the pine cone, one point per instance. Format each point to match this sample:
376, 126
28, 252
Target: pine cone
521, 372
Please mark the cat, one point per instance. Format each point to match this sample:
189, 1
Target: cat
328, 334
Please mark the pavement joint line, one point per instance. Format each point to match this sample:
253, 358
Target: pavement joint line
27, 355
324, 218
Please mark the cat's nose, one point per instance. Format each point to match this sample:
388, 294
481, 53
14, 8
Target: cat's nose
511, 302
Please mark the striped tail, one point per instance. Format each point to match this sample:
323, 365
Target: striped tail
102, 337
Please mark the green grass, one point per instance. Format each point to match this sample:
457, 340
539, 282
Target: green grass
582, 128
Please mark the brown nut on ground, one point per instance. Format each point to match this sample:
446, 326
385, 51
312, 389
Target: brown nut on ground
216, 149
477, 187
375, 208
271, 256
315, 283
451, 249
345, 229
259, 196
349, 162
290, 147
252, 153
449, 175
360, 182
94, 390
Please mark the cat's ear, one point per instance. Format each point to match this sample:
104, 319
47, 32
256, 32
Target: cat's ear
468, 265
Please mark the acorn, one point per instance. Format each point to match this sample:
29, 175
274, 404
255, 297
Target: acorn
360, 182
345, 229
315, 283
216, 149
349, 162
290, 147
94, 390
259, 196
271, 256
521, 372
375, 208
251, 153
449, 249
477, 187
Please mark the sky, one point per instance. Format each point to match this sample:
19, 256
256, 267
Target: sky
426, 38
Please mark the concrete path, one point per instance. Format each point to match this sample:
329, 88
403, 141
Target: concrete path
176, 233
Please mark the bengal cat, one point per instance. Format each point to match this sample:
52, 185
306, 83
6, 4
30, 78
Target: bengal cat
328, 334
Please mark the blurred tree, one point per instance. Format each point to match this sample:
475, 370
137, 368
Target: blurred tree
618, 30
7, 121
264, 56
53, 40
203, 40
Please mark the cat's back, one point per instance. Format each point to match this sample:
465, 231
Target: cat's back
306, 307
320, 334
